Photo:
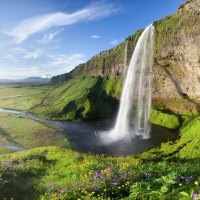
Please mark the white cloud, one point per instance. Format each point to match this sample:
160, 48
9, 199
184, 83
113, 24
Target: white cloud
28, 54
48, 37
46, 75
69, 61
114, 42
95, 36
18, 50
11, 57
57, 64
34, 54
41, 23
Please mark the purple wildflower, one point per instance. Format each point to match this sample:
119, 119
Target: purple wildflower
145, 177
114, 182
97, 174
195, 196
189, 178
146, 174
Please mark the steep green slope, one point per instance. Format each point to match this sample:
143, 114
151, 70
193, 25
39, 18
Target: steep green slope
83, 98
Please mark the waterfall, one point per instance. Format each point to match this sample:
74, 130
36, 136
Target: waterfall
125, 60
135, 101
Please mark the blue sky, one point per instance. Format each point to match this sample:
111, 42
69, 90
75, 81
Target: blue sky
50, 37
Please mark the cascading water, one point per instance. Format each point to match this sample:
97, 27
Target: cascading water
135, 102
125, 60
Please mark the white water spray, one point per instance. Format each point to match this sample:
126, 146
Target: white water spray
125, 60
135, 102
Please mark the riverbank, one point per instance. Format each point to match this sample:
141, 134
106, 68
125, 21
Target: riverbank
17, 133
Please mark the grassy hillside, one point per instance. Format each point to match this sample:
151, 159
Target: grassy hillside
187, 147
84, 98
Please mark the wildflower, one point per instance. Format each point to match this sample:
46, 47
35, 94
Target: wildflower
146, 174
114, 182
195, 196
180, 184
196, 183
189, 178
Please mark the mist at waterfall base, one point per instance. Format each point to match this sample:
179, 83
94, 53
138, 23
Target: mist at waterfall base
135, 102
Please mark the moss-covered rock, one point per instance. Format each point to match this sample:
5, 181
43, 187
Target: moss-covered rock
163, 119
187, 146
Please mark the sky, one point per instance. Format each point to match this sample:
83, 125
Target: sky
50, 37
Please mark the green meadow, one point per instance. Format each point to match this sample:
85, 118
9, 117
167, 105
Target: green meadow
48, 169
21, 97
19, 131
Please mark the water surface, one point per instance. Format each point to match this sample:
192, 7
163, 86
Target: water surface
83, 138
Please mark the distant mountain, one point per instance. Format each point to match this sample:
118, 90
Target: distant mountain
26, 80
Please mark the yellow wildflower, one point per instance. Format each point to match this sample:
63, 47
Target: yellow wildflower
196, 183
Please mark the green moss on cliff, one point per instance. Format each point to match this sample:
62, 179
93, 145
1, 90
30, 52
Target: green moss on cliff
135, 36
166, 120
186, 147
113, 87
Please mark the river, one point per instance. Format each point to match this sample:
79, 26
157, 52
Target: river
82, 136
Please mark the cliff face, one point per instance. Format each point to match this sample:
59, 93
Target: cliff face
177, 60
176, 77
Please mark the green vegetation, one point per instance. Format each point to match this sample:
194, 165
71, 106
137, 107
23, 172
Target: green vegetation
163, 119
22, 97
23, 132
113, 87
78, 98
4, 150
135, 36
54, 173
82, 98
187, 147
169, 172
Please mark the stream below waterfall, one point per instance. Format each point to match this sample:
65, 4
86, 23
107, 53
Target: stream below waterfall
82, 136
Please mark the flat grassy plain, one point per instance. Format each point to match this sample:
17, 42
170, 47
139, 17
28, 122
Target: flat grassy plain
22, 97
19, 131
